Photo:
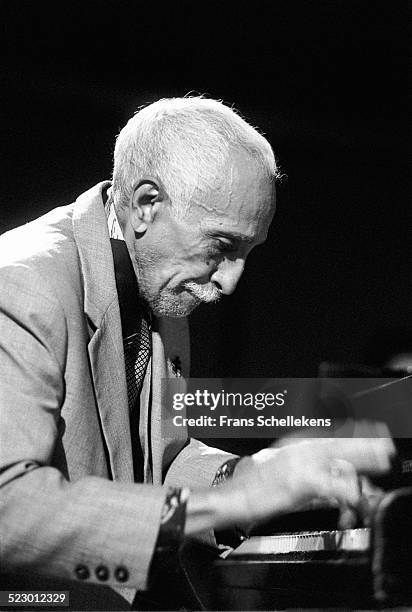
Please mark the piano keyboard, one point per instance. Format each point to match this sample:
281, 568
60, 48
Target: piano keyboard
346, 540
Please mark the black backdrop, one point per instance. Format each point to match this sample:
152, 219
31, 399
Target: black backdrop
327, 83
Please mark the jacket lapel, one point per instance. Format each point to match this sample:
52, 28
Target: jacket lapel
105, 348
170, 346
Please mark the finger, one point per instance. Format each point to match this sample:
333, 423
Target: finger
367, 455
348, 518
344, 483
368, 488
371, 496
370, 448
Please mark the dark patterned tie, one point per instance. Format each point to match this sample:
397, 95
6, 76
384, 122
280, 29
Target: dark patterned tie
137, 349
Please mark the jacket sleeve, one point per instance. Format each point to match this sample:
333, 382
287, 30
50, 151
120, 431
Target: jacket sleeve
48, 525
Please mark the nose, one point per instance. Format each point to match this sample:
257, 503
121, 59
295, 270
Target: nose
227, 275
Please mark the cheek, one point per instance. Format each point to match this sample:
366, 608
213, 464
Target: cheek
199, 269
202, 266
202, 257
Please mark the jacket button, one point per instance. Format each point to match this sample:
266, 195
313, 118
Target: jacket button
82, 572
121, 574
102, 573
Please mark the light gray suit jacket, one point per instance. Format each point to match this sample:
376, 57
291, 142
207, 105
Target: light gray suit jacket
67, 496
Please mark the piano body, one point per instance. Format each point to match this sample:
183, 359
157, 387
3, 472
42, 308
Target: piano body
319, 566
357, 568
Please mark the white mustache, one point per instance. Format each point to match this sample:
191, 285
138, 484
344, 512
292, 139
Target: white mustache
205, 293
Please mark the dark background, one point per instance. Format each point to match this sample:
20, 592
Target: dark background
326, 81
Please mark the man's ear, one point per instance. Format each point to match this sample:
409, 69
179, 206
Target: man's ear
144, 197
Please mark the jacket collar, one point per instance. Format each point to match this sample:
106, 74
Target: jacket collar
92, 238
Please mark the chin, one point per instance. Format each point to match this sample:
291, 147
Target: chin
174, 305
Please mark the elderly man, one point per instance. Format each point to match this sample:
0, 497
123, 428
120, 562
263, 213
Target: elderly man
93, 302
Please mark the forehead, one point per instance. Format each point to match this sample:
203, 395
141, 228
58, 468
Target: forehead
242, 201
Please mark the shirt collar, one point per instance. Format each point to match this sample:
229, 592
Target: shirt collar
113, 225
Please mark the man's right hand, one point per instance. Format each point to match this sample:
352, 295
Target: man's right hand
283, 478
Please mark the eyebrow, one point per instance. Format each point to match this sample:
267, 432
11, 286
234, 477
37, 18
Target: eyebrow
238, 236
230, 235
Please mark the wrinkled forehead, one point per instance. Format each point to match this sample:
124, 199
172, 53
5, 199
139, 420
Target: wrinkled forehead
242, 201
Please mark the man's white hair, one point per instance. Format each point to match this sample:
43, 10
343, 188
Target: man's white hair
184, 143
